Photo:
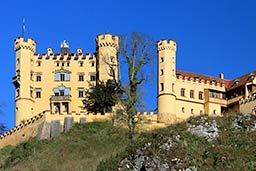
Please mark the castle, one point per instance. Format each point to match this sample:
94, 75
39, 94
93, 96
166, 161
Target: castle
183, 94
50, 87
57, 81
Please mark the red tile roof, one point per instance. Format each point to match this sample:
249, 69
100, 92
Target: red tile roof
229, 84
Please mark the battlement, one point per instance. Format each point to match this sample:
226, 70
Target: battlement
66, 56
166, 45
23, 125
200, 80
20, 43
104, 40
248, 99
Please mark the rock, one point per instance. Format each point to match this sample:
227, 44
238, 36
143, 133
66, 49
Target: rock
82, 120
205, 128
55, 128
44, 131
68, 123
245, 122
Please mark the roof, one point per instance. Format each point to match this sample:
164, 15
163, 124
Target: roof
229, 84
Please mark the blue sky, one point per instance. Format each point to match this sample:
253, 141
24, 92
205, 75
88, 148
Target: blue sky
212, 36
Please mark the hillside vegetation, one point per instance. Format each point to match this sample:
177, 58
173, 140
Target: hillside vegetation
80, 150
199, 144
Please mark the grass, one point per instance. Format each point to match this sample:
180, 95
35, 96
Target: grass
82, 149
101, 146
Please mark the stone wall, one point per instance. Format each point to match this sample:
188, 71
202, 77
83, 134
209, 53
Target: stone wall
248, 104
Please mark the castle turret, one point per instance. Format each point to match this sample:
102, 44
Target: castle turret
166, 98
107, 56
23, 79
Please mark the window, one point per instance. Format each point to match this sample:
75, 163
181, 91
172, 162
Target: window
214, 111
92, 77
68, 64
111, 72
192, 111
61, 91
63, 64
38, 93
31, 92
81, 77
31, 75
173, 88
161, 86
182, 92
80, 92
18, 60
161, 72
81, 64
111, 59
38, 77
38, 64
162, 59
183, 109
62, 76
57, 64
200, 95
92, 64
191, 93
18, 92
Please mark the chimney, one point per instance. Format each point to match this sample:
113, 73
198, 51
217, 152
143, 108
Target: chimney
221, 75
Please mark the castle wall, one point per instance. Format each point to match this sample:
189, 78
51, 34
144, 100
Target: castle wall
23, 131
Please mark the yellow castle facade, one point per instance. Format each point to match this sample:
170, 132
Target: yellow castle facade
184, 94
56, 82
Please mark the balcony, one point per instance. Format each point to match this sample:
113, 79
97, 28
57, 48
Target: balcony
61, 98
16, 81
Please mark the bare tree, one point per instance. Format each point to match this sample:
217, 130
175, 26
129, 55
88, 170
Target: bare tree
137, 51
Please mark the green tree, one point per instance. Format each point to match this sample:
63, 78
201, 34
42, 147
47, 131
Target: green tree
101, 98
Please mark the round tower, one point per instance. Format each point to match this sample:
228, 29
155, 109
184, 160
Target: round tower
166, 98
24, 76
107, 57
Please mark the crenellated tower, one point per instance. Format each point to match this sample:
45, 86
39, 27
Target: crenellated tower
107, 57
23, 79
166, 98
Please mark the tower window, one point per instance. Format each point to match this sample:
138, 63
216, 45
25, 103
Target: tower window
200, 95
18, 92
214, 112
31, 92
81, 64
81, 77
191, 93
39, 63
182, 92
173, 88
18, 60
38, 77
38, 93
161, 86
183, 109
31, 75
92, 64
57, 64
192, 111
161, 72
68, 64
162, 59
63, 64
80, 92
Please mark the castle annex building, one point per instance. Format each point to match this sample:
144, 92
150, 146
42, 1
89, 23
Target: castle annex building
57, 81
182, 94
